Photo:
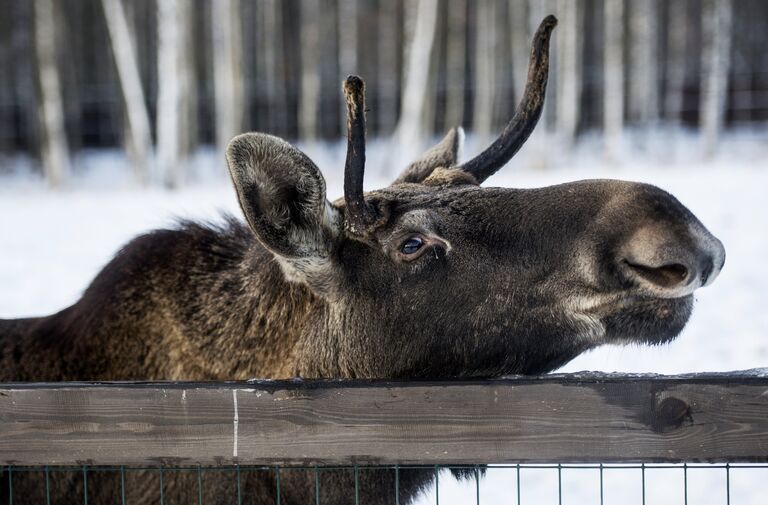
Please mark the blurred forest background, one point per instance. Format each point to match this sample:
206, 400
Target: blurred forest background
162, 79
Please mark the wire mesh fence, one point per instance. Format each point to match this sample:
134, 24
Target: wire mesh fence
516, 484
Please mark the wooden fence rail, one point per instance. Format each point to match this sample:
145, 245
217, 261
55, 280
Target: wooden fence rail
556, 418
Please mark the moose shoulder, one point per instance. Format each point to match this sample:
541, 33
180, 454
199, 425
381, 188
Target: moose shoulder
434, 276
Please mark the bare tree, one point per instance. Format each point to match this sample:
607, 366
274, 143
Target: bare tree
569, 45
456, 62
613, 92
171, 91
55, 150
124, 52
717, 17
411, 130
270, 65
388, 75
644, 81
227, 70
677, 35
309, 98
519, 27
189, 132
485, 69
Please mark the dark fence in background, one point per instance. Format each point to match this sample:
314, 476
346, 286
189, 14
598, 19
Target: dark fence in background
93, 106
222, 434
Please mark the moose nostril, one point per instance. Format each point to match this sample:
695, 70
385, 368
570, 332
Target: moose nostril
671, 275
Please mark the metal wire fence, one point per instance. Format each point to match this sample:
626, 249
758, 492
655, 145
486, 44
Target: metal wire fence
517, 484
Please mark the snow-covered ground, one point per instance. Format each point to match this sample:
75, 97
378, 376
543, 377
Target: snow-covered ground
53, 243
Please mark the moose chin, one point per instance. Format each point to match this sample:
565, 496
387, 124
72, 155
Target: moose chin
434, 276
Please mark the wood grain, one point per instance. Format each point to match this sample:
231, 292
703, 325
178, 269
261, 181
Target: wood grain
563, 418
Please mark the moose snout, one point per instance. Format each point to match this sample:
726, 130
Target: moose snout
665, 265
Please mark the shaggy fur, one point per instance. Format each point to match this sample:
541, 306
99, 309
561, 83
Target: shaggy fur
511, 281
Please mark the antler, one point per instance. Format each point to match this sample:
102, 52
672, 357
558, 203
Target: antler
527, 114
359, 215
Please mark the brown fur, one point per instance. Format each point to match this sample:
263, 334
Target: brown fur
500, 281
205, 302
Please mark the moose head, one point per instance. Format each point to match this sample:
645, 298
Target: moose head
437, 276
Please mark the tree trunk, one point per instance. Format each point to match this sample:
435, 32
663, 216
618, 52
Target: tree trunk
431, 91
189, 132
330, 79
644, 60
270, 65
170, 92
519, 39
677, 35
485, 73
569, 45
227, 70
310, 72
124, 52
388, 82
456, 63
55, 150
613, 93
411, 130
717, 17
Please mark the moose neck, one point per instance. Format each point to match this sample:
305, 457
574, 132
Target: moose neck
259, 333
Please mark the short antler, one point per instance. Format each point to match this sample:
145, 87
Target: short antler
359, 215
527, 114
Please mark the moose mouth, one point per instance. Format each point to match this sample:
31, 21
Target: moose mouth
647, 320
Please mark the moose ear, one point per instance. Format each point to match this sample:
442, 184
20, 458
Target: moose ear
282, 195
443, 155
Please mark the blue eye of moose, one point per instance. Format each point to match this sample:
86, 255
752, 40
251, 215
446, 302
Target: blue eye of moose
412, 245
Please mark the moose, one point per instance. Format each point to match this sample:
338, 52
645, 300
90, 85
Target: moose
432, 277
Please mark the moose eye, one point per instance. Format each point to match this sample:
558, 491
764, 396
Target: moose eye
412, 245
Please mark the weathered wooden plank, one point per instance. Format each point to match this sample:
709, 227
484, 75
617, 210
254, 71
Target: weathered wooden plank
563, 418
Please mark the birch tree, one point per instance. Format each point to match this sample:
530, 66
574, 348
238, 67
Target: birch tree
188, 133
613, 78
644, 81
411, 130
430, 97
569, 48
717, 17
124, 52
456, 62
519, 27
309, 98
227, 70
676, 64
388, 75
329, 74
270, 64
170, 92
55, 150
485, 69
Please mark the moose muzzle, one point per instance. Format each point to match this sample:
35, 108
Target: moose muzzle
666, 265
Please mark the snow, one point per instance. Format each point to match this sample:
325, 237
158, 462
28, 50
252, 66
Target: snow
53, 243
